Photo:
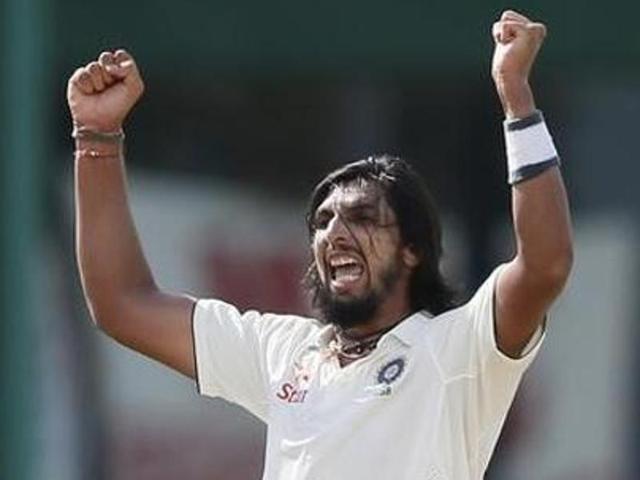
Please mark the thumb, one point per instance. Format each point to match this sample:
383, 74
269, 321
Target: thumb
124, 66
122, 69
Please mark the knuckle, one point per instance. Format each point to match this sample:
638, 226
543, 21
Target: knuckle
76, 74
104, 57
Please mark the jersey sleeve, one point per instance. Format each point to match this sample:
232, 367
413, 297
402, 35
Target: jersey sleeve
237, 354
497, 375
227, 354
481, 313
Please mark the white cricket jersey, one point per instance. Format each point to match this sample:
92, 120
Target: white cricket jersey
428, 403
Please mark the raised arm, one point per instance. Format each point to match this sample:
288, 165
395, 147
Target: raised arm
530, 283
121, 293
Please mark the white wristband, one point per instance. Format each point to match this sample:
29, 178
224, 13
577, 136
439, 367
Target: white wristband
530, 148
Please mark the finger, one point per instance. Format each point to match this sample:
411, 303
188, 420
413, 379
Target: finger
506, 31
123, 57
105, 59
122, 65
515, 16
95, 70
82, 79
539, 30
127, 71
73, 79
78, 81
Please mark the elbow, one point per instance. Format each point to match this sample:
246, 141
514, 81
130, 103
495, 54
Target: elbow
110, 304
563, 262
110, 311
103, 315
560, 268
99, 296
552, 270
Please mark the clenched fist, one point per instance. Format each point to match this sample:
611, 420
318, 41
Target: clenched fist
101, 94
517, 42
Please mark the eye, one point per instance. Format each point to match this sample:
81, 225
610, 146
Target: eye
321, 221
362, 217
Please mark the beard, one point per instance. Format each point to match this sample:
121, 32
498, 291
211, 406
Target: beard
347, 313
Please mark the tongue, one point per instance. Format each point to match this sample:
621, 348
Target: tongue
348, 272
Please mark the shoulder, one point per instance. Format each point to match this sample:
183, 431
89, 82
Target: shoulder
433, 332
292, 326
213, 312
442, 330
479, 307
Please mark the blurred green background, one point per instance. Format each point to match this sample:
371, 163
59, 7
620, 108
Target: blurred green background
256, 101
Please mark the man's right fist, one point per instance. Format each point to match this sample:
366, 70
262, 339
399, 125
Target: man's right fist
101, 94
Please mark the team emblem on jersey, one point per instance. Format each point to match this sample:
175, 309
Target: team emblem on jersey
391, 371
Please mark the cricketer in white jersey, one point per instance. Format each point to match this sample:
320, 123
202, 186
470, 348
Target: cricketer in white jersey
393, 381
427, 403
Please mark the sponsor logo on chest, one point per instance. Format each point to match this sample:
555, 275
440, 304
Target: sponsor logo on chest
295, 391
290, 394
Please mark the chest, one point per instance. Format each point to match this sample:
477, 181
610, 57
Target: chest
315, 395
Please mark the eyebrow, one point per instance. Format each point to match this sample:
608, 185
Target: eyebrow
364, 205
359, 205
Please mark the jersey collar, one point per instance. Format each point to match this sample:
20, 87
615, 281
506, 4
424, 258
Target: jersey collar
408, 331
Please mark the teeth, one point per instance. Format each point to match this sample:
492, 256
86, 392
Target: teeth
341, 261
345, 268
347, 273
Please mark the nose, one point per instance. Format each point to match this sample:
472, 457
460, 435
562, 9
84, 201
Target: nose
337, 231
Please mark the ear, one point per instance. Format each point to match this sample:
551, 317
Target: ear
410, 258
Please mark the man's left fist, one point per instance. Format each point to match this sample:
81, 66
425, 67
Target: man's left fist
517, 41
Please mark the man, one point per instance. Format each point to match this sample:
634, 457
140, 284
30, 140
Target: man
392, 382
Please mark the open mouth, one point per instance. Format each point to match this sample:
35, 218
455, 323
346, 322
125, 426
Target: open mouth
344, 270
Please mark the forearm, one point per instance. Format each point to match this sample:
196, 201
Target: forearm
542, 226
110, 259
515, 96
540, 209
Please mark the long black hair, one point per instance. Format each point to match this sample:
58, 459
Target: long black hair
418, 222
